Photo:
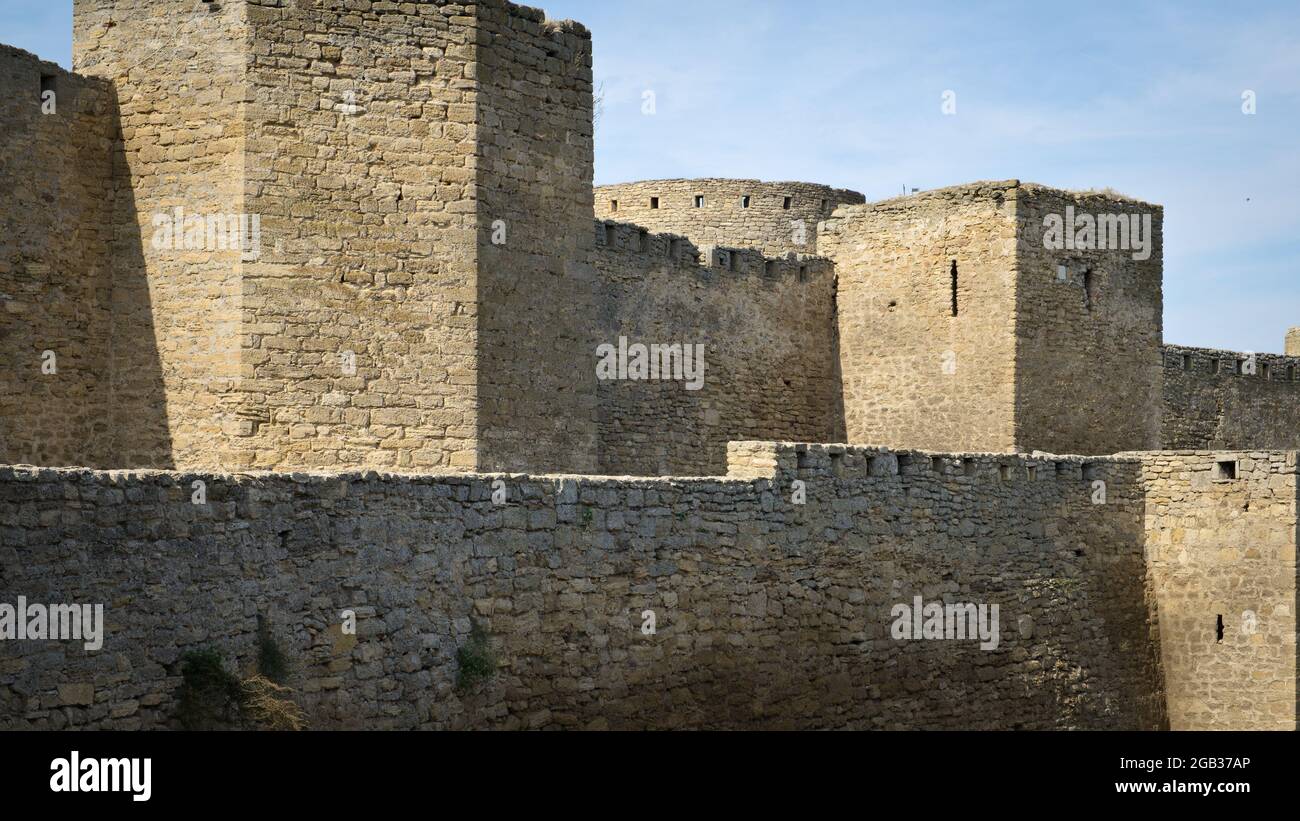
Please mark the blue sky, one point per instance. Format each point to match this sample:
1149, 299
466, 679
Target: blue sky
1144, 97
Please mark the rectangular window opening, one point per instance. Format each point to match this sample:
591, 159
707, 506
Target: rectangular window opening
1290, 373
1215, 366
785, 203
769, 268
643, 241
1218, 629
1266, 370
48, 83
613, 205
954, 287
968, 466
1225, 471
699, 200
744, 201
936, 464
1187, 362
654, 203
1087, 289
611, 235
803, 273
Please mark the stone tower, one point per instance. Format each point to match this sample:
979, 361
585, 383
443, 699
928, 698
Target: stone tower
412, 183
965, 326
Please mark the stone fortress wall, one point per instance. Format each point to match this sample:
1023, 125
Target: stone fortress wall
765, 326
1229, 399
773, 217
768, 613
56, 265
428, 300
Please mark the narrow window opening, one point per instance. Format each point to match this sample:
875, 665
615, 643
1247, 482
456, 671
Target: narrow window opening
611, 235
769, 268
1239, 367
613, 205
744, 201
699, 200
1087, 290
785, 203
803, 462
869, 465
803, 273
837, 465
1214, 366
823, 205
1218, 628
1187, 362
1266, 370
1290, 373
1005, 472
654, 203
1033, 473
643, 241
675, 248
954, 287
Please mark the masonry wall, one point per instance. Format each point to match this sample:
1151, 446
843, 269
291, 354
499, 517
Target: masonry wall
765, 224
359, 318
178, 76
768, 613
1222, 558
1088, 339
767, 327
56, 200
914, 374
534, 156
1212, 401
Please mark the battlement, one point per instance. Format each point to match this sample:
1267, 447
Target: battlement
774, 217
763, 460
1215, 398
1198, 362
644, 247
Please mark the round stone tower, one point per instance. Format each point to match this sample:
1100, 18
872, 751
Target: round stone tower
775, 217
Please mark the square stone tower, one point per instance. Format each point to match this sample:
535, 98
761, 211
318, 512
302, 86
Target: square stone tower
1293, 342
974, 319
408, 183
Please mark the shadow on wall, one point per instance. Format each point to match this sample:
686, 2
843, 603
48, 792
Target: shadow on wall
80, 376
140, 436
